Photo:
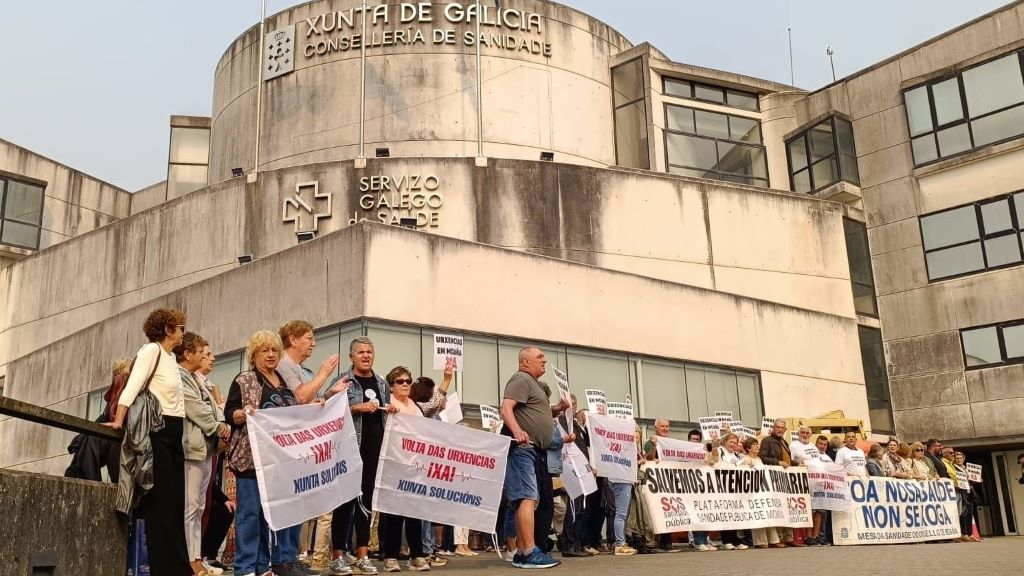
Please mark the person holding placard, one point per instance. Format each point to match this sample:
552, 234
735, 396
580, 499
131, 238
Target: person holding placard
661, 429
729, 453
821, 532
527, 416
967, 511
432, 400
763, 537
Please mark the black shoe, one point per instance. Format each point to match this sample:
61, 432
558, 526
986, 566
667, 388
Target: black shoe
575, 553
285, 570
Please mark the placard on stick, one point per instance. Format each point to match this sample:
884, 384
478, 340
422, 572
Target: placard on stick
490, 418
448, 346
597, 401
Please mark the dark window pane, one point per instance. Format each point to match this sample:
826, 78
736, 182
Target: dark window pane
679, 88
797, 150
691, 151
745, 129
24, 202
822, 144
981, 346
712, 124
995, 216
3, 184
20, 234
1002, 250
954, 140
919, 114
740, 159
824, 173
948, 107
876, 379
802, 181
1013, 338
742, 100
924, 149
680, 118
1000, 126
950, 227
857, 251
690, 172
631, 136
844, 135
848, 169
628, 82
953, 261
995, 85
702, 92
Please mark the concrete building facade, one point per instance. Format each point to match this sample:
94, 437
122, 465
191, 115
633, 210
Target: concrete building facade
689, 240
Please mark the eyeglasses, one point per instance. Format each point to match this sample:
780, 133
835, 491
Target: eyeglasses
402, 381
918, 449
180, 327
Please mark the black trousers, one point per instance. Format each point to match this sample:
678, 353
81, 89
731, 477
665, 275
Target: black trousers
389, 531
594, 516
574, 527
218, 522
967, 515
350, 514
163, 507
544, 515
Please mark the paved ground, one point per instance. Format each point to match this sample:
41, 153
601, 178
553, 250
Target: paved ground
993, 557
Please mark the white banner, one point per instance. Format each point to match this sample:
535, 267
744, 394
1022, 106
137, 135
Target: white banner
576, 475
597, 401
828, 486
440, 472
306, 458
685, 497
621, 410
672, 450
490, 418
452, 412
613, 453
448, 346
894, 511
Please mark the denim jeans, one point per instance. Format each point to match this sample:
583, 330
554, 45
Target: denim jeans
622, 493
285, 549
252, 545
428, 537
700, 538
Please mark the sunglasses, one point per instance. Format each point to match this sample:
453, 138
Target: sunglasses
918, 449
402, 381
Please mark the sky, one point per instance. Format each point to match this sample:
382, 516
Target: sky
92, 84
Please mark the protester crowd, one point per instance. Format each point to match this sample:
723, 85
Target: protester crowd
182, 440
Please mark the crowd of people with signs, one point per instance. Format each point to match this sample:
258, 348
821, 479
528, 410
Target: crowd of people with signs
321, 469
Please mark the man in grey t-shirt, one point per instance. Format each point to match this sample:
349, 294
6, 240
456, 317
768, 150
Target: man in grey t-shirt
528, 419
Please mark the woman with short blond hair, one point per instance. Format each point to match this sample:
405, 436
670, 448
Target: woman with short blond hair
915, 467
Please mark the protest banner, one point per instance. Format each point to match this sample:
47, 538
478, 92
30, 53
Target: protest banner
710, 428
973, 472
490, 418
576, 475
686, 497
306, 458
894, 511
672, 450
448, 346
828, 486
597, 401
562, 381
621, 410
440, 472
613, 453
452, 412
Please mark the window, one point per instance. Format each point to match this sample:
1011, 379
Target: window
188, 160
706, 93
707, 144
993, 345
861, 277
822, 155
21, 213
876, 379
981, 236
631, 149
982, 105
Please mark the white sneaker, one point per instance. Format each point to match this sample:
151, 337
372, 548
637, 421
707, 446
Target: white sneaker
338, 567
706, 548
728, 547
212, 569
508, 555
391, 565
742, 547
363, 566
419, 565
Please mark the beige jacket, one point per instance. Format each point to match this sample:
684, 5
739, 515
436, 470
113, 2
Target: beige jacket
201, 421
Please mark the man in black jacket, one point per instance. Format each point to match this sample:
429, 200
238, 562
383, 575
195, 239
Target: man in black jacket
933, 450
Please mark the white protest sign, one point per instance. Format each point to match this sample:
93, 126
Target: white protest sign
621, 410
737, 427
448, 346
766, 426
576, 475
973, 472
452, 412
894, 511
688, 497
709, 428
672, 450
440, 472
562, 381
597, 401
726, 414
613, 453
306, 458
490, 418
827, 482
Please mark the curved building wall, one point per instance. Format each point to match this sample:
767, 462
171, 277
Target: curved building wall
546, 85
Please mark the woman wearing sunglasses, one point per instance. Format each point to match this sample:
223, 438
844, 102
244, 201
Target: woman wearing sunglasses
915, 467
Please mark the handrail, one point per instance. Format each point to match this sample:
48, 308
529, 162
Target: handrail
41, 415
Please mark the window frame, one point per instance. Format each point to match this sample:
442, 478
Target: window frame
5, 179
804, 134
965, 119
725, 93
725, 175
1015, 228
617, 107
1005, 360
